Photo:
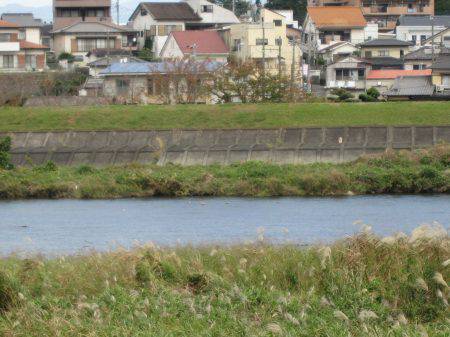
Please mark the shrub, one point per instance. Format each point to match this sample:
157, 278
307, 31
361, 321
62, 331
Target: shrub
366, 98
66, 56
342, 94
5, 157
373, 92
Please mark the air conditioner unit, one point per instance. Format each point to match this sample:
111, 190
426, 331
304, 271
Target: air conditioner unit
440, 88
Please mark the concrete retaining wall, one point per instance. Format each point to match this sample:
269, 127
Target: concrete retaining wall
203, 147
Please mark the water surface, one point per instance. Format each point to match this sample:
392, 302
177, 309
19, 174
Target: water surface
70, 226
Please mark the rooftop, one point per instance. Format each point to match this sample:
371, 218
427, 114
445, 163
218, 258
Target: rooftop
106, 61
424, 20
337, 17
394, 73
442, 62
385, 43
7, 24
412, 86
424, 53
385, 61
147, 68
166, 11
22, 19
206, 42
31, 45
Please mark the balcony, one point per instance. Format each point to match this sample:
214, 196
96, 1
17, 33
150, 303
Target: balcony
396, 10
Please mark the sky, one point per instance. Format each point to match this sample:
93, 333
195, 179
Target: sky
31, 3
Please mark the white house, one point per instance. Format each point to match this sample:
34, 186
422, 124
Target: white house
337, 51
156, 20
29, 27
417, 29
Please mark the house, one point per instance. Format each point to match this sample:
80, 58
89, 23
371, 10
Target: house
29, 27
411, 88
82, 26
69, 12
327, 25
337, 51
385, 48
421, 58
156, 20
17, 54
265, 41
417, 29
386, 13
440, 39
441, 73
383, 80
159, 82
348, 73
83, 37
199, 44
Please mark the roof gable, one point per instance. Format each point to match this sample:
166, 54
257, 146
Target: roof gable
167, 11
91, 27
337, 17
200, 42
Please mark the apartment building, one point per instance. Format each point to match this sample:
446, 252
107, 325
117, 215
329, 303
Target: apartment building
70, 12
266, 39
384, 13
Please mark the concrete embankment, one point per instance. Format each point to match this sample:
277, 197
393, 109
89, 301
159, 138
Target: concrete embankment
203, 147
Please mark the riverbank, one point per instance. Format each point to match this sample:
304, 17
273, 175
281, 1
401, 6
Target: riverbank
223, 116
424, 171
363, 286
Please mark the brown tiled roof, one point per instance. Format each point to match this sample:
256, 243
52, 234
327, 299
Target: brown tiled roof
31, 45
337, 17
205, 41
392, 73
7, 24
171, 11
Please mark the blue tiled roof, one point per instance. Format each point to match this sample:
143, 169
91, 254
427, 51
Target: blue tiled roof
160, 67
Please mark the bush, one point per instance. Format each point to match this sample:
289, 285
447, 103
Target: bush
342, 94
373, 92
366, 98
5, 157
66, 56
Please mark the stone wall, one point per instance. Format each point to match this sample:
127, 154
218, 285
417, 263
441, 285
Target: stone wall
203, 147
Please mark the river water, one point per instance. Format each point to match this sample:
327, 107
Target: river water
74, 226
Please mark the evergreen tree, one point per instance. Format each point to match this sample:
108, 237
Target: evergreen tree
298, 6
442, 7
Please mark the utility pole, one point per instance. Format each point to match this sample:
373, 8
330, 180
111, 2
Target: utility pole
432, 38
279, 42
118, 11
263, 59
234, 7
294, 42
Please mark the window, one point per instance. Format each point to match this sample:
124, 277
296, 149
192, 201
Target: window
30, 61
402, 53
5, 37
8, 61
124, 41
143, 12
86, 45
260, 42
368, 54
236, 44
416, 66
342, 74
383, 52
422, 38
122, 86
361, 74
21, 35
414, 39
277, 23
207, 8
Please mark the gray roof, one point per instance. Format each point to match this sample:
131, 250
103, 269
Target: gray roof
22, 19
93, 27
104, 62
424, 53
442, 62
167, 11
385, 43
424, 20
147, 68
412, 86
384, 61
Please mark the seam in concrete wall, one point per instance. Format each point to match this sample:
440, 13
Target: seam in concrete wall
204, 147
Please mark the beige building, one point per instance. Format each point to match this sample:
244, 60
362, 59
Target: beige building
385, 48
69, 12
265, 40
441, 73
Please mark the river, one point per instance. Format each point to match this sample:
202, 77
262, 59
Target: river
73, 226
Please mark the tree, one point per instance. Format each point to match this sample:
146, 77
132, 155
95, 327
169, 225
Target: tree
5, 158
240, 6
442, 7
298, 6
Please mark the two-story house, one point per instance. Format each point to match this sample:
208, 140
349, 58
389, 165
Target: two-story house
16, 53
265, 41
81, 26
29, 27
324, 26
385, 53
156, 20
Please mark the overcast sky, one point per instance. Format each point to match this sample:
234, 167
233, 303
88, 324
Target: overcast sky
33, 3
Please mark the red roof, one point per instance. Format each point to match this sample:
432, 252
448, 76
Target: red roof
31, 45
7, 24
337, 16
205, 41
393, 73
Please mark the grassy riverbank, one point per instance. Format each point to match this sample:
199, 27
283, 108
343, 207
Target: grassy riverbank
363, 286
121, 117
425, 171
